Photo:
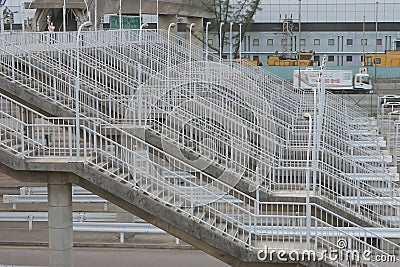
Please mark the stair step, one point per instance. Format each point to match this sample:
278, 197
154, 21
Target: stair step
372, 176
368, 143
221, 226
395, 201
210, 220
232, 231
372, 159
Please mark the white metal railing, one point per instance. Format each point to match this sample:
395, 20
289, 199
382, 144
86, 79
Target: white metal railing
244, 221
31, 217
240, 87
15, 199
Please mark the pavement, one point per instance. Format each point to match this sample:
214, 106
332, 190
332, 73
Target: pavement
101, 257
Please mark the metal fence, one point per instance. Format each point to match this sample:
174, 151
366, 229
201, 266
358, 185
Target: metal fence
217, 124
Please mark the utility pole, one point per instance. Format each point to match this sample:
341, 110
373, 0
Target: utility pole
376, 38
64, 16
298, 52
2, 3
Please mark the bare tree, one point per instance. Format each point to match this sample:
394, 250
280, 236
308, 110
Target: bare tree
227, 11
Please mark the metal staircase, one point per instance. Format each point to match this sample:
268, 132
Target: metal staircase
114, 104
200, 131
225, 218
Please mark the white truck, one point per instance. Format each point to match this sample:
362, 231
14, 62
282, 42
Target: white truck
337, 81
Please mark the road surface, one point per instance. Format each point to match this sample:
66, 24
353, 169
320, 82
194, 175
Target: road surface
89, 257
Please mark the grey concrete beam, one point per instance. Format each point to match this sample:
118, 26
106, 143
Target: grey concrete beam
141, 205
42, 4
186, 8
31, 99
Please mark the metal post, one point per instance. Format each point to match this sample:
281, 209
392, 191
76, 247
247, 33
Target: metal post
376, 37
257, 208
23, 18
396, 142
169, 53
298, 52
363, 44
140, 72
140, 11
206, 41
87, 10
190, 41
64, 17
157, 15
220, 41
95, 15
169, 56
240, 41
77, 87
190, 55
308, 206
318, 120
230, 44
168, 44
120, 14
1, 15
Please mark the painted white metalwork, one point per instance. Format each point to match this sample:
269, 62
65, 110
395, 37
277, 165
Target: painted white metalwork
31, 217
15, 199
217, 125
42, 190
240, 222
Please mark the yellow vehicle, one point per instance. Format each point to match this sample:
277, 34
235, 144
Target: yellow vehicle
247, 62
306, 59
389, 59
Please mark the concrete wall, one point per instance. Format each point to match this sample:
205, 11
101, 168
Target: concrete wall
185, 8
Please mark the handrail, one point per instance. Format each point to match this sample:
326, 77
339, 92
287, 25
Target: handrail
236, 84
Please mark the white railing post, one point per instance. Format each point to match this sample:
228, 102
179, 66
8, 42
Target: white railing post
70, 142
84, 145
23, 139
13, 68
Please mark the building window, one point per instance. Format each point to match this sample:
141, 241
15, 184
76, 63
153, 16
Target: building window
284, 42
270, 41
331, 58
317, 59
349, 58
349, 41
364, 42
210, 42
378, 41
331, 41
256, 42
302, 41
317, 41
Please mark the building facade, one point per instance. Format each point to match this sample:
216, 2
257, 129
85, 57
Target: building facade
342, 30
